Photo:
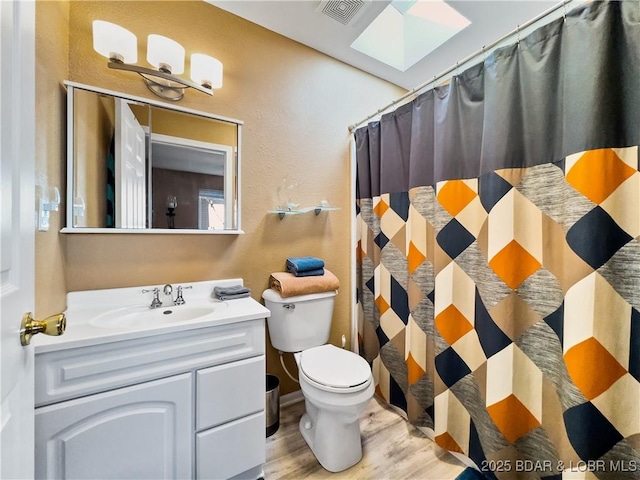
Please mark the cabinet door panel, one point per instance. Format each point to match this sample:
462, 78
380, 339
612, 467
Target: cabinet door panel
231, 449
230, 391
138, 432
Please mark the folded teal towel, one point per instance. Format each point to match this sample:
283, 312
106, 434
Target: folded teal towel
309, 273
231, 292
304, 264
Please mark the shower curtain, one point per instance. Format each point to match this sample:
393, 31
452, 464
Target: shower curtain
498, 257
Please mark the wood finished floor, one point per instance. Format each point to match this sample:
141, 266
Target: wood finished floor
393, 450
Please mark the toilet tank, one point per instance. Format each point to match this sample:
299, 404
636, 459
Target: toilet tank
299, 322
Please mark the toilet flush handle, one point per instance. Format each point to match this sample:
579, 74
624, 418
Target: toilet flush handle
289, 306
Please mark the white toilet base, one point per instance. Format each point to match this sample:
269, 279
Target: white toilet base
332, 431
332, 455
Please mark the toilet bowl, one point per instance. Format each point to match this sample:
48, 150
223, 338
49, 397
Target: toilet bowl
334, 400
337, 384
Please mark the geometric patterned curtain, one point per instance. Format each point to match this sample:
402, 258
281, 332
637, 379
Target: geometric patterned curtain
502, 309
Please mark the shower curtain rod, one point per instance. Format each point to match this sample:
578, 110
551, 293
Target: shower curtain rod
482, 51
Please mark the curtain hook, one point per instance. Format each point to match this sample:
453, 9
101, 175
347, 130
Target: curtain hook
484, 56
564, 11
518, 34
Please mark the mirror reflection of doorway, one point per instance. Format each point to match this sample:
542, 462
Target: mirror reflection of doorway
196, 174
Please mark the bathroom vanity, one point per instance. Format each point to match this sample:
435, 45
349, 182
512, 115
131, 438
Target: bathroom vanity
140, 393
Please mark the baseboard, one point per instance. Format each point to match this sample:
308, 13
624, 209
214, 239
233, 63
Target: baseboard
291, 398
464, 459
430, 434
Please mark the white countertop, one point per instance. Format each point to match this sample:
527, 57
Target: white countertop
84, 307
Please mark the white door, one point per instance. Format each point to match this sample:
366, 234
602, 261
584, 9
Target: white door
17, 219
130, 169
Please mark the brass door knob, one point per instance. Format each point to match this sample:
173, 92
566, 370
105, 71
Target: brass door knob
54, 325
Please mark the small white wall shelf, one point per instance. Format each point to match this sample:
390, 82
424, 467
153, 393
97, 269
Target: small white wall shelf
316, 210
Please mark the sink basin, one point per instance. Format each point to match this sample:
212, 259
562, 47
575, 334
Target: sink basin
141, 317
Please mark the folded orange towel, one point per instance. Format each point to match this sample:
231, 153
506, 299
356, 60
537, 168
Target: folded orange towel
288, 285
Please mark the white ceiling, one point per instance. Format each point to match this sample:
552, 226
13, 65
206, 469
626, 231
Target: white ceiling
302, 21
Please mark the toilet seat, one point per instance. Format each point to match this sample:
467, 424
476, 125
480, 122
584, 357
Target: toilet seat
335, 369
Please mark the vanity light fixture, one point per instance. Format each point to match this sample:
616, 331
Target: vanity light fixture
120, 46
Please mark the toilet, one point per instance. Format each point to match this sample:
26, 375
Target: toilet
337, 384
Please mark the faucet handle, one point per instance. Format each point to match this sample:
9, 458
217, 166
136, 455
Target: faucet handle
156, 302
179, 299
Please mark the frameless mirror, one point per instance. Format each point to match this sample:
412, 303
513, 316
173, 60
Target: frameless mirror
140, 166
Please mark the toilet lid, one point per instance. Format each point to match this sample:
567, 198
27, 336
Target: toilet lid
334, 367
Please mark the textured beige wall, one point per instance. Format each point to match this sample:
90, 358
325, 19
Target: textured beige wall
296, 104
52, 66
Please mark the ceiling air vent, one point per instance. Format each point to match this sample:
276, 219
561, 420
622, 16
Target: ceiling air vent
341, 11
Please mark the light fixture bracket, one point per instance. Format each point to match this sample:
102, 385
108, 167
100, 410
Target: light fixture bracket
163, 84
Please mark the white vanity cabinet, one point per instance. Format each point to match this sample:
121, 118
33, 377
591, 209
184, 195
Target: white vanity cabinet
185, 404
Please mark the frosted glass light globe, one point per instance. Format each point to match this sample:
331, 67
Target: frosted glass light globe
162, 51
206, 70
114, 42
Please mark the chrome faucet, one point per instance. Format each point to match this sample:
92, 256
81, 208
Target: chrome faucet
156, 302
167, 290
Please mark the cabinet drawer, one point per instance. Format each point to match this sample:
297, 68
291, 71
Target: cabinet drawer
65, 374
230, 391
231, 449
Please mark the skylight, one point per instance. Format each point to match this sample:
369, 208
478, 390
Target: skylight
408, 30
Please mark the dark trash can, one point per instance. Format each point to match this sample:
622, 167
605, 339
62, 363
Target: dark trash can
272, 405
